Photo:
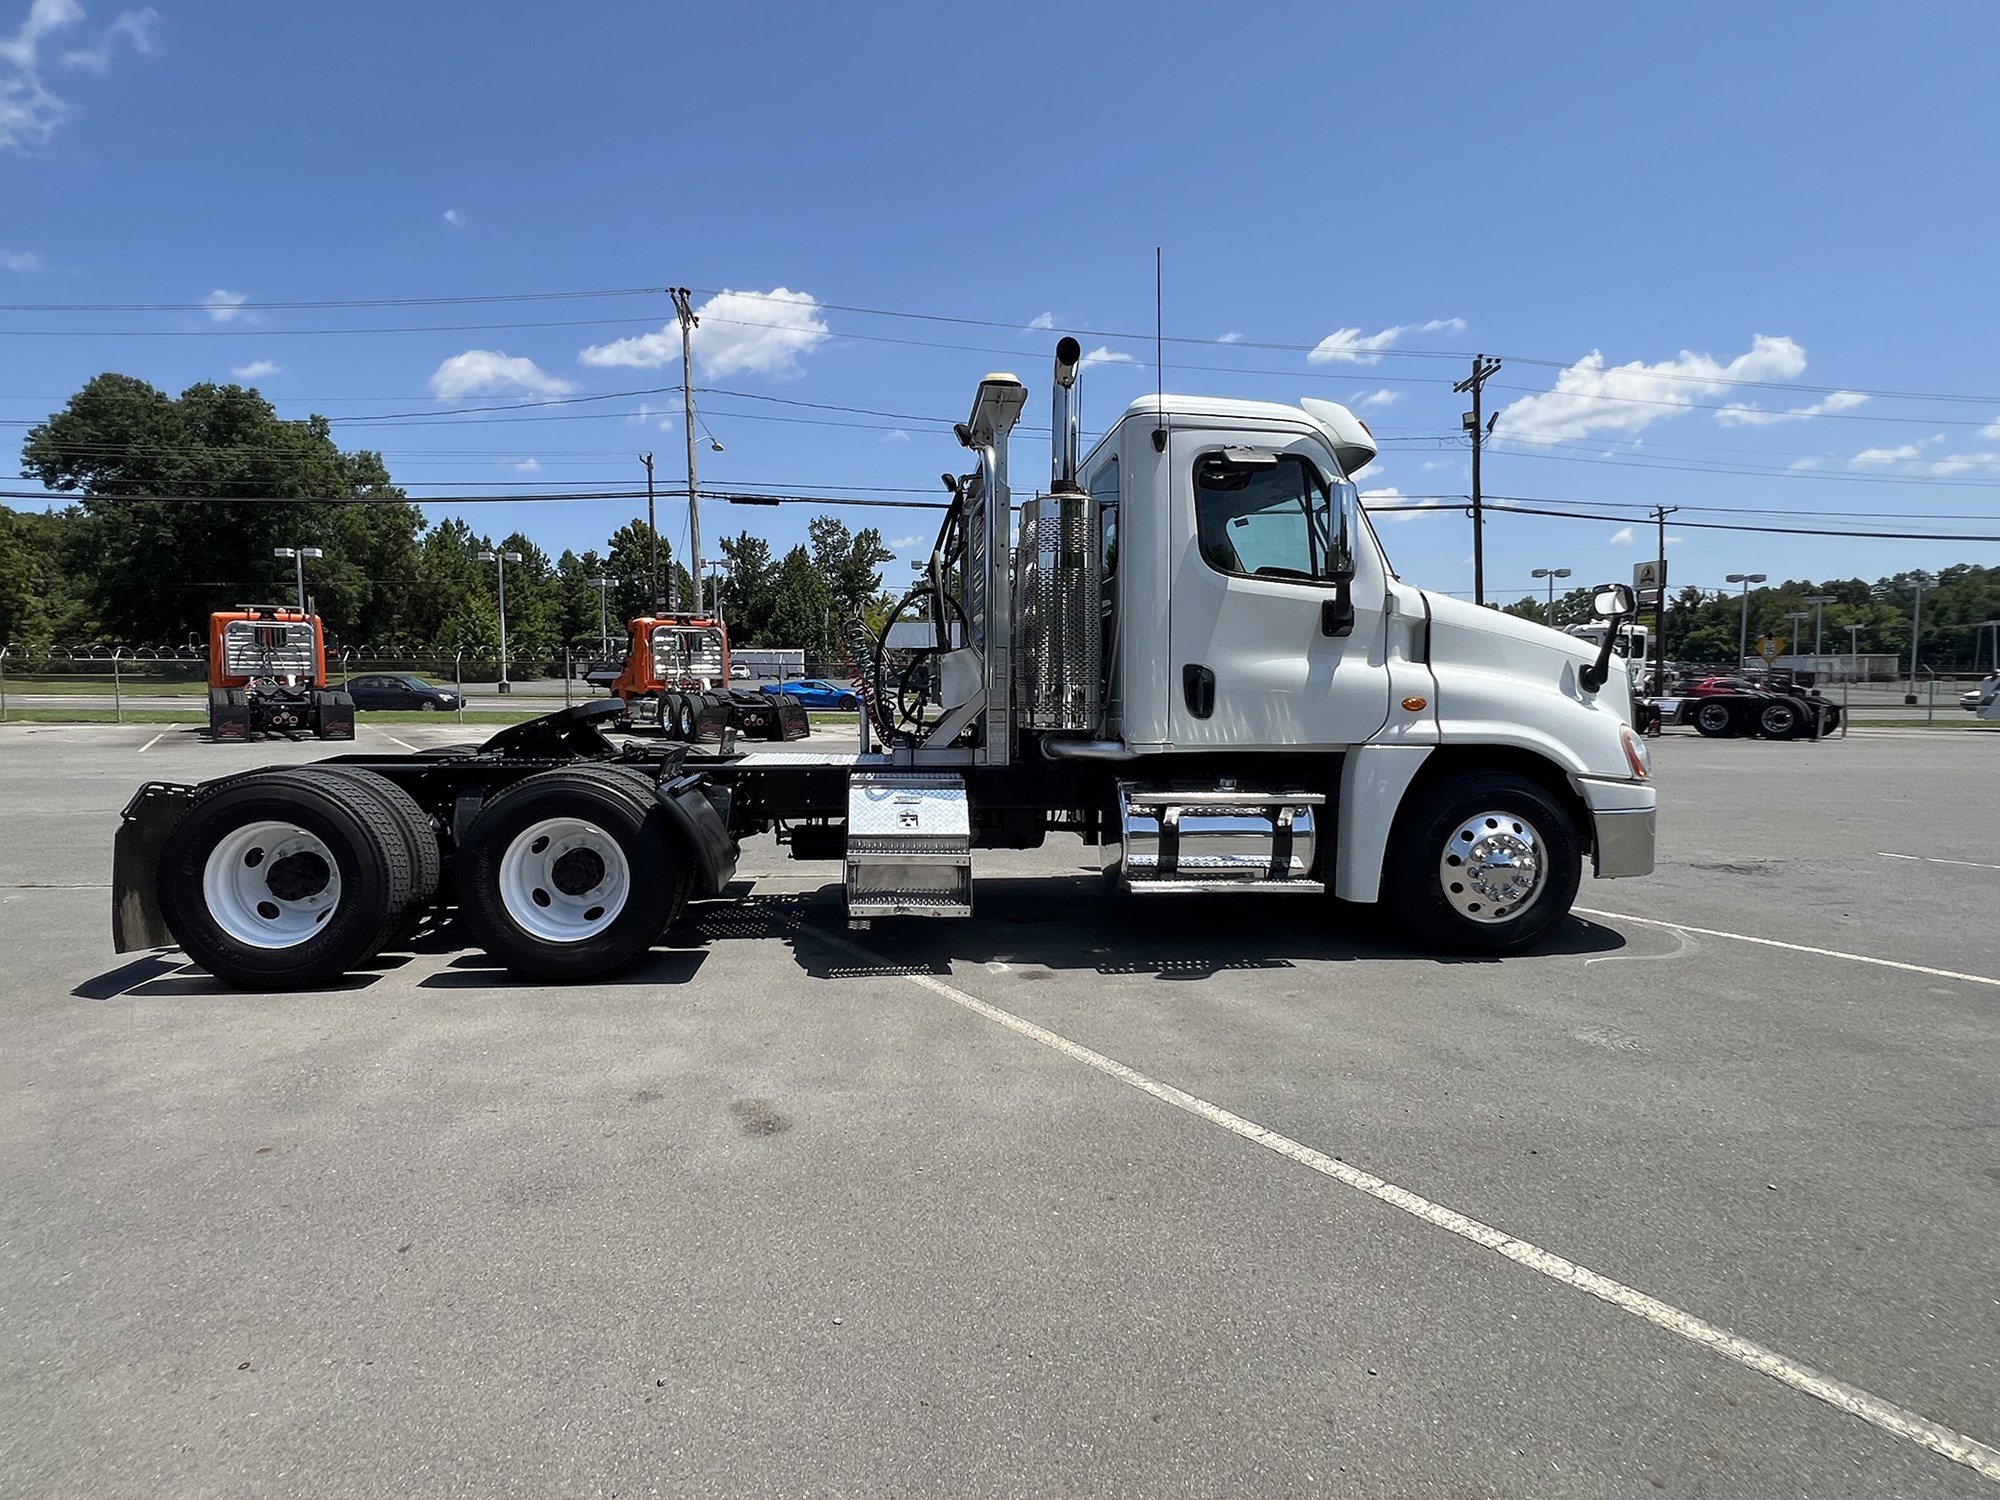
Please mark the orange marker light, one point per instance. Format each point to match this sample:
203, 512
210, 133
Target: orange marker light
1416, 705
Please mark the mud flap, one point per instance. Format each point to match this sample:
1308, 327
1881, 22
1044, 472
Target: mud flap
153, 812
701, 825
792, 722
333, 715
228, 714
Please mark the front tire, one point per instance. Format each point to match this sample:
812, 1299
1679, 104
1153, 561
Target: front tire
1484, 863
569, 875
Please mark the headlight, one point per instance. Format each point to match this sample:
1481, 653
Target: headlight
1637, 756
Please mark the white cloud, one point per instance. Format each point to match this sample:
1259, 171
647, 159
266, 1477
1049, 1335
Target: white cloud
133, 26
1436, 463
1591, 397
1674, 540
1993, 431
1352, 346
1800, 465
487, 372
527, 465
763, 333
1622, 537
895, 435
19, 260
1103, 355
902, 542
29, 111
1381, 398
1740, 414
227, 307
1900, 454
650, 413
1959, 463
1385, 503
1232, 337
454, 218
257, 369
1040, 323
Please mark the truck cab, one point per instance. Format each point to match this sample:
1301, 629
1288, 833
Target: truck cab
676, 679
267, 675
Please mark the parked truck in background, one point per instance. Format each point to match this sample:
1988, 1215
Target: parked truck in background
675, 678
267, 675
1190, 652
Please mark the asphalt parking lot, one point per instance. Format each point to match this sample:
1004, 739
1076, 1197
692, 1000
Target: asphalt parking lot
1198, 1198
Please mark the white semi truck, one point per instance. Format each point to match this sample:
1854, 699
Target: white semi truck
1189, 651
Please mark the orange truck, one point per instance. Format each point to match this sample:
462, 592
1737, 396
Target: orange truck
676, 679
267, 675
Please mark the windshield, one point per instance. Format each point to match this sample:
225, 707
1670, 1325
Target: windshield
1270, 516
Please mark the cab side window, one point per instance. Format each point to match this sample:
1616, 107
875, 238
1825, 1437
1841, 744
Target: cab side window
1104, 490
1263, 515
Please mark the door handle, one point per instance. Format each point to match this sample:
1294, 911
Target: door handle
1198, 688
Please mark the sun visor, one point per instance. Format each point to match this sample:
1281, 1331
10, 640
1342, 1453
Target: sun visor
1353, 444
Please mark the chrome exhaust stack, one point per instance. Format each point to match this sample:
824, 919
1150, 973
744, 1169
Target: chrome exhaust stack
1065, 417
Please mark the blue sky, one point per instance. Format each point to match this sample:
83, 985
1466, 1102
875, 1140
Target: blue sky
1781, 214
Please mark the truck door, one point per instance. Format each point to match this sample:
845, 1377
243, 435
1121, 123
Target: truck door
1260, 533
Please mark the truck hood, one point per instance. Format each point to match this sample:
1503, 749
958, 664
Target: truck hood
1451, 616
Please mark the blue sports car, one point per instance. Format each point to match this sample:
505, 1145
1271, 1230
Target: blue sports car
816, 692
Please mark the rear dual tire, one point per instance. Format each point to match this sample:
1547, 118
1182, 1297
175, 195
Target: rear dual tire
571, 874
282, 880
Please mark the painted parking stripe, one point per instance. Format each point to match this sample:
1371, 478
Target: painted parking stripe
1764, 942
1970, 864
394, 741
154, 740
1890, 1418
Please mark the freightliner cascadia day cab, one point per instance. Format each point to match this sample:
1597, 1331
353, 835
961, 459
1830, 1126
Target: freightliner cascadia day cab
1189, 651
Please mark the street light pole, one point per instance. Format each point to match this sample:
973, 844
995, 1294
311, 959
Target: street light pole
299, 556
1743, 632
1922, 581
502, 558
1795, 616
603, 586
1552, 574
1854, 653
1819, 602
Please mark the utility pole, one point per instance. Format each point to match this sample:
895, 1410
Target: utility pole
1660, 514
689, 322
1483, 370
652, 539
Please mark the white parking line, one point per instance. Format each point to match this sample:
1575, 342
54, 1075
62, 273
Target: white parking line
1764, 942
1886, 1415
1972, 864
154, 740
393, 740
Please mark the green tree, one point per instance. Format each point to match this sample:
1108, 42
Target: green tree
628, 563
749, 591
803, 613
24, 616
156, 567
851, 564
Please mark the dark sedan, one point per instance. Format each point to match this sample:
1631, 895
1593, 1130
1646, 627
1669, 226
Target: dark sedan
400, 690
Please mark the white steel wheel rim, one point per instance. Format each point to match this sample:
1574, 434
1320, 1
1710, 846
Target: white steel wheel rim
564, 880
1493, 866
270, 885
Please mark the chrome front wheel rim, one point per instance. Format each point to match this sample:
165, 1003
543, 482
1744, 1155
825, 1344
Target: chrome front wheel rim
564, 880
1493, 866
270, 885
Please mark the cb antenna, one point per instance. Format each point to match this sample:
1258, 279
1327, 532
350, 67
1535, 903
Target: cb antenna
1159, 363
